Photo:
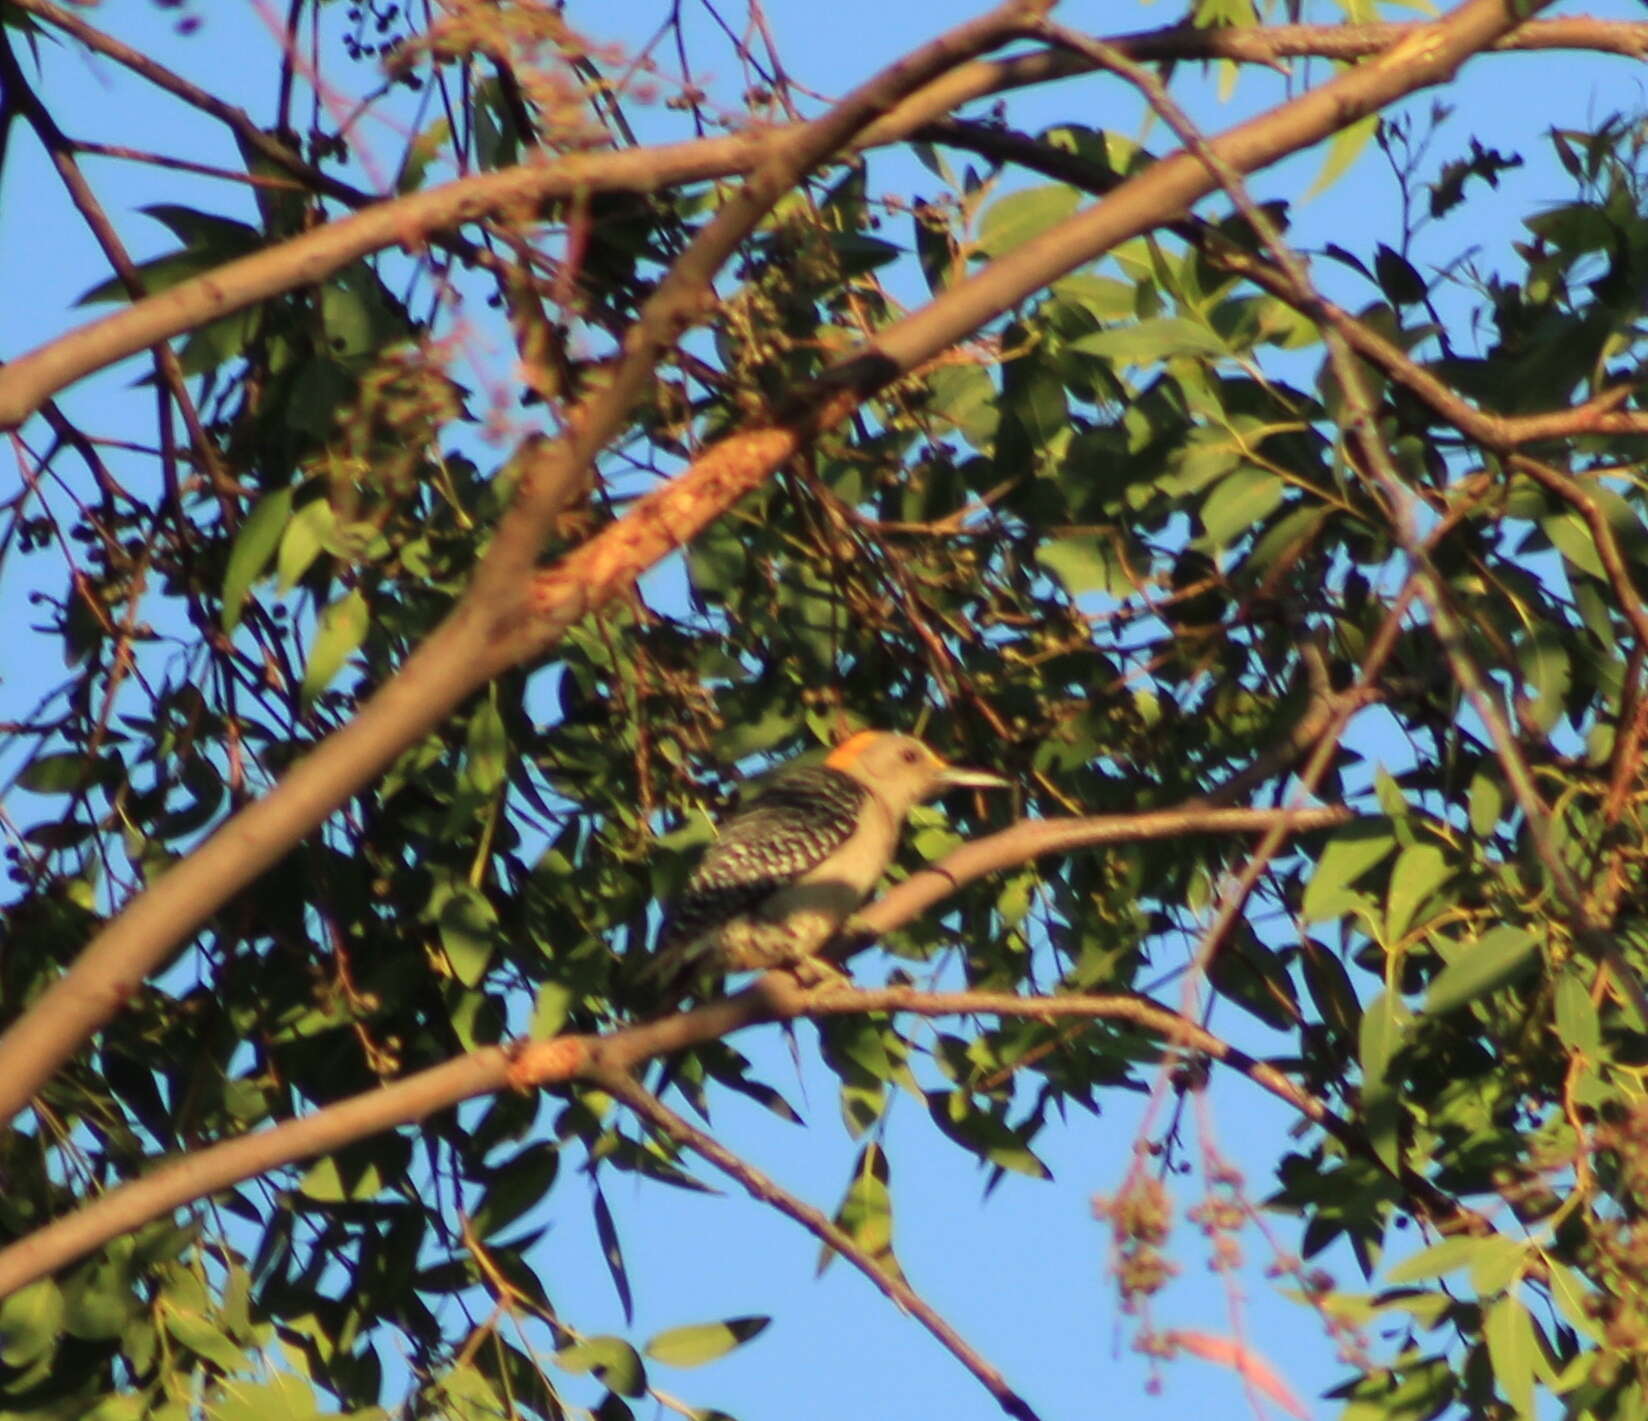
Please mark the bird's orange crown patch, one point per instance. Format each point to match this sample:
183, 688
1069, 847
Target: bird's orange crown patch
847, 753
851, 748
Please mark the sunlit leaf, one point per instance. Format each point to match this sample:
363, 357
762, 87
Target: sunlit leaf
259, 535
693, 1346
1499, 956
1350, 853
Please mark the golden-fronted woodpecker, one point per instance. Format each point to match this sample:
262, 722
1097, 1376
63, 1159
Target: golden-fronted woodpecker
787, 871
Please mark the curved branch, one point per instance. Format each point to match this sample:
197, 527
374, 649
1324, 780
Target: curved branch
313, 256
237, 120
1501, 433
60, 151
1031, 839
767, 1191
532, 1064
686, 291
183, 1180
1169, 1025
1601, 414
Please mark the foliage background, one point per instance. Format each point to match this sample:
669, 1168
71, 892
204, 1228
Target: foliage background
421, 924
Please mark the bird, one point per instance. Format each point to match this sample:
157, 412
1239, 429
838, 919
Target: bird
787, 871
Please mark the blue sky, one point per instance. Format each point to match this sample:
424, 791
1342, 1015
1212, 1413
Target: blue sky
1023, 1274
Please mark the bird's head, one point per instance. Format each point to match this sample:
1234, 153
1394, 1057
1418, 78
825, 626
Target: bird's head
902, 772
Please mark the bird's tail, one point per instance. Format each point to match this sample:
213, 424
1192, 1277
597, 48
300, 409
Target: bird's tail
673, 973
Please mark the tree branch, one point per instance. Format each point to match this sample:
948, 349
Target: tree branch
767, 1191
311, 257
237, 120
686, 293
532, 1064
1031, 839
1502, 434
60, 150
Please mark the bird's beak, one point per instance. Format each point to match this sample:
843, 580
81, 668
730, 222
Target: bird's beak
955, 777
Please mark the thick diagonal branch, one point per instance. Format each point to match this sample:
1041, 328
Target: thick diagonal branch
505, 617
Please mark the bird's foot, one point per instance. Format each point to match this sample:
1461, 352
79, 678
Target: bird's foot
817, 972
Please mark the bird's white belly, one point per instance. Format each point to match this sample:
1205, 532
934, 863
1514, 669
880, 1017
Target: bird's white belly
796, 922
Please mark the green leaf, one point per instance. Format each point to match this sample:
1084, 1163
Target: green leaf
465, 1394
1417, 873
611, 1359
1036, 413
1437, 1260
1014, 897
203, 1337
1487, 964
1545, 665
1577, 1021
359, 314
959, 1117
329, 1181
283, 1398
1019, 216
68, 772
1350, 853
718, 558
468, 926
208, 242
1509, 1332
124, 1407
1087, 564
1498, 1263
1343, 149
98, 1300
486, 752
866, 1213
303, 540
614, 1408
31, 1319
338, 634
518, 1185
1381, 1034
704, 1342
254, 545
1239, 503
1573, 538
1487, 801
1573, 1298
549, 1010
875, 1048
1397, 278
1102, 296
1150, 341
966, 397
858, 252
612, 1252
1330, 988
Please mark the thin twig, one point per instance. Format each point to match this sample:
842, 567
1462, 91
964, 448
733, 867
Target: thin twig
169, 370
767, 1191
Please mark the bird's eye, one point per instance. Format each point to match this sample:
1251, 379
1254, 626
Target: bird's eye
912, 756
